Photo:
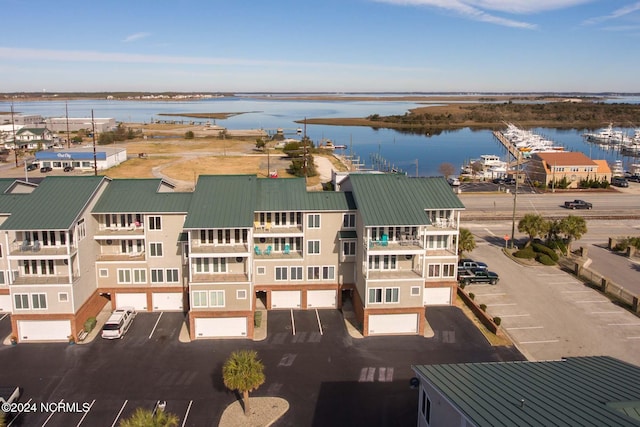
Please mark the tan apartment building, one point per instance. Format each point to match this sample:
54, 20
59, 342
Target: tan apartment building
387, 242
48, 255
571, 166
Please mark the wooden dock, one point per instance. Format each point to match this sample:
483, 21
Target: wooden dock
507, 144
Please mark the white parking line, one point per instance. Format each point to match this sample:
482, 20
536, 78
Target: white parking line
293, 323
4, 316
19, 413
538, 342
186, 415
51, 415
512, 315
623, 324
319, 324
490, 232
607, 312
525, 327
119, 413
592, 301
86, 413
156, 325
633, 338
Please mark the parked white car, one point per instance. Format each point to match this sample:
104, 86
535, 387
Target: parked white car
118, 323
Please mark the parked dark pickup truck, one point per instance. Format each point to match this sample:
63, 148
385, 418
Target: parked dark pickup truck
477, 275
578, 204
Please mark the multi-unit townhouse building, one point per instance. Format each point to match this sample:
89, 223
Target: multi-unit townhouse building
386, 242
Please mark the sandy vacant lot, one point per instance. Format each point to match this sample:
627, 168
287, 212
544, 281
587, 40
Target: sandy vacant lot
181, 161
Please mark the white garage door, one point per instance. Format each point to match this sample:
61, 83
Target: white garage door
44, 330
285, 299
137, 301
393, 324
437, 296
167, 301
321, 299
221, 327
5, 304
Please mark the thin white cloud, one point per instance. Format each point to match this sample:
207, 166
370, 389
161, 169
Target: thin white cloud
82, 56
135, 36
618, 13
477, 9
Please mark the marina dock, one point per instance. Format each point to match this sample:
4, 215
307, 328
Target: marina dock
513, 151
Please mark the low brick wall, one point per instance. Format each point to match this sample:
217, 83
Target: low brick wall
482, 315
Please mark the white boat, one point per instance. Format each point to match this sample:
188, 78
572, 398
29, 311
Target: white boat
487, 166
607, 135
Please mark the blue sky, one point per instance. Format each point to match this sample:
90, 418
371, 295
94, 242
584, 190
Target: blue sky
325, 46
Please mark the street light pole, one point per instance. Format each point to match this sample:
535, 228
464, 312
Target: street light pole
515, 199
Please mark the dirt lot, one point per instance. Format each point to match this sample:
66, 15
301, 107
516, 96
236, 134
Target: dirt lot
181, 161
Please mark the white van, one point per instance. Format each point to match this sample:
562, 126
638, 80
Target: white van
118, 323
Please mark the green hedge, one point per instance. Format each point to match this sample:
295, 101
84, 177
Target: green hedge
527, 253
544, 259
257, 318
545, 250
89, 324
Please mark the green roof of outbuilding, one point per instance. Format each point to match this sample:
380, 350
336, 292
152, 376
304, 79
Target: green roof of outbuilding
35, 131
141, 196
585, 391
222, 201
392, 199
54, 205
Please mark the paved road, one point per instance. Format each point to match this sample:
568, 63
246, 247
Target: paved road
549, 313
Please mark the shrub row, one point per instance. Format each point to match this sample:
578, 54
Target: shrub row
545, 250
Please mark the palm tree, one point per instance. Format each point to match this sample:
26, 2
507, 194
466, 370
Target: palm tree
244, 372
146, 418
574, 227
466, 241
533, 225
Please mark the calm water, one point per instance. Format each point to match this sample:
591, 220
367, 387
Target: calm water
399, 149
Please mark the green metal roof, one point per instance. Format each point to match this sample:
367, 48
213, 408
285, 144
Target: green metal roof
222, 201
35, 131
585, 391
54, 205
392, 199
8, 202
141, 196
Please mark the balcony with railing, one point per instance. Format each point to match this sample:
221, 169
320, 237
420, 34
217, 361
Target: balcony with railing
45, 279
227, 249
35, 249
394, 274
122, 256
219, 277
117, 232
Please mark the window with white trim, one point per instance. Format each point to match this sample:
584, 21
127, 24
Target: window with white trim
313, 221
296, 273
313, 273
241, 294
349, 248
202, 265
281, 273
198, 299
375, 295
391, 295
313, 247
262, 270
433, 270
415, 291
349, 220
81, 230
124, 275
139, 275
2, 281
155, 249
63, 297
216, 298
172, 275
438, 242
206, 236
103, 272
219, 265
21, 301
425, 407
155, 223
157, 275
448, 270
383, 262
39, 301
328, 272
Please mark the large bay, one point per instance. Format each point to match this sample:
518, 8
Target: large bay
400, 150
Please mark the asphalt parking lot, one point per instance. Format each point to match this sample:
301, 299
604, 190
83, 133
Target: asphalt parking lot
550, 314
328, 377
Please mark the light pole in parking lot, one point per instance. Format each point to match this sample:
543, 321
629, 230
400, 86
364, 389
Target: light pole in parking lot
515, 200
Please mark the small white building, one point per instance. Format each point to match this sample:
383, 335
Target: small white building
82, 157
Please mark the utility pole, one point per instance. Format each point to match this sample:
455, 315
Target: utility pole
515, 199
13, 129
93, 133
66, 113
304, 147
